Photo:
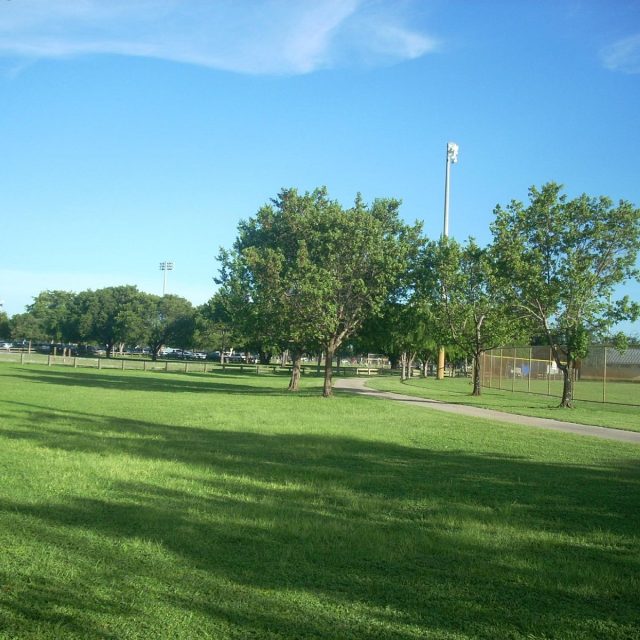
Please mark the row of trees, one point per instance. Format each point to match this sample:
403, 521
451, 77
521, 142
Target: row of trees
308, 275
113, 317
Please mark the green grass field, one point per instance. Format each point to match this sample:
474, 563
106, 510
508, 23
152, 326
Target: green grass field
615, 392
165, 505
458, 391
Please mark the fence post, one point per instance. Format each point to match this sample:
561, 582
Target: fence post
500, 371
49, 360
75, 362
22, 358
144, 365
529, 372
99, 363
122, 364
166, 366
513, 372
604, 377
549, 374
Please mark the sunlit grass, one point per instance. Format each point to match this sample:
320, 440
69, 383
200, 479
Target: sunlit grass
159, 505
458, 391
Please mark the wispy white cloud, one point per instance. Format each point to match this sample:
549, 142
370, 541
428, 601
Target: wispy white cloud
623, 55
255, 36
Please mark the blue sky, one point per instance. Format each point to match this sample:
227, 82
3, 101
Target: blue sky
137, 131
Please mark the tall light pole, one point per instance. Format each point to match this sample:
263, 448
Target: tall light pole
452, 158
164, 267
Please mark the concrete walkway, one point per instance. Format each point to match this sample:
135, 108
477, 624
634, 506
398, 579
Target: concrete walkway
357, 385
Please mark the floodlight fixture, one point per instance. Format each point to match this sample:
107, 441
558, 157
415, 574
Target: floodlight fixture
452, 152
164, 267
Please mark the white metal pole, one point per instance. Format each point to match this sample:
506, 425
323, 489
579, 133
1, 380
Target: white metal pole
452, 156
164, 267
447, 176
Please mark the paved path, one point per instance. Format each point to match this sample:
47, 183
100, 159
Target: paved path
357, 385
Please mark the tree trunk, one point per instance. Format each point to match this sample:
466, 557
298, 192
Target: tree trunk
410, 360
403, 366
425, 368
296, 359
265, 357
328, 371
477, 387
567, 386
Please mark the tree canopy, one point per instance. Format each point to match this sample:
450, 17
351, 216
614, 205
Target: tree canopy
558, 263
306, 272
461, 287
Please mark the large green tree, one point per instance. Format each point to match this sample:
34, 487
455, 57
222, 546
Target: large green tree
219, 323
559, 261
111, 316
52, 313
307, 272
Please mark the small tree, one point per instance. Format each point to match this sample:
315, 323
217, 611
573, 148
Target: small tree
53, 311
168, 318
462, 289
558, 262
5, 325
403, 331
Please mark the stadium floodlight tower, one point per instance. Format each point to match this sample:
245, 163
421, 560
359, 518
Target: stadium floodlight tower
452, 158
164, 267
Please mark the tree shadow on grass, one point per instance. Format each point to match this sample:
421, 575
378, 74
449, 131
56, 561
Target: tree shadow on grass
305, 536
218, 382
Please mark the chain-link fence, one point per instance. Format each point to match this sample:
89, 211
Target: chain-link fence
605, 375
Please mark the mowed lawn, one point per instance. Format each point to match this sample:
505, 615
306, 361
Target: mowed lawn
458, 391
163, 505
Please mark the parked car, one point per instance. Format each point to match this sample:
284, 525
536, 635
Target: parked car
91, 351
